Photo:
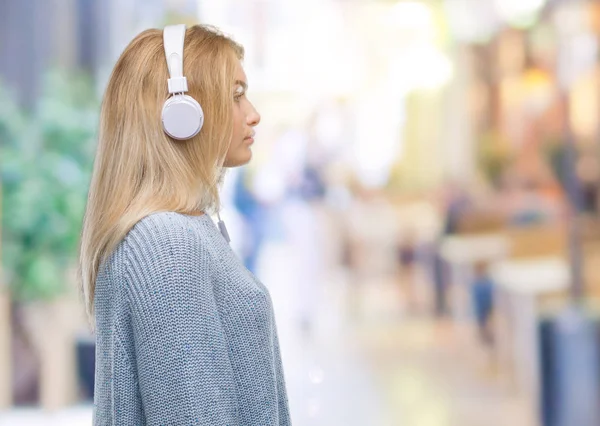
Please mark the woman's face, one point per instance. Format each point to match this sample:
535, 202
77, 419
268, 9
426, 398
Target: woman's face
245, 117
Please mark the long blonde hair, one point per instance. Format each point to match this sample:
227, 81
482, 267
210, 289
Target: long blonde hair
138, 169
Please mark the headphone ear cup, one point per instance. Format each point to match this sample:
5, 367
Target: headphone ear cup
182, 117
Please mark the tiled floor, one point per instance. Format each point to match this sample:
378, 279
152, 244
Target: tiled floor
365, 363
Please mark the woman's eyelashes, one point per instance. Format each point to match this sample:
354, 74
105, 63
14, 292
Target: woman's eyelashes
239, 93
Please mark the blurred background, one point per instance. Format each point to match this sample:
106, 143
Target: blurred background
422, 202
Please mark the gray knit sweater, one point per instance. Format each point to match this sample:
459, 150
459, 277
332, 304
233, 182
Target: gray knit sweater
185, 334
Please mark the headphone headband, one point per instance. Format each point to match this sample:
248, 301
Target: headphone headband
173, 39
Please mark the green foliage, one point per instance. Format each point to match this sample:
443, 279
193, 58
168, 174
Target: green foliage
493, 155
46, 158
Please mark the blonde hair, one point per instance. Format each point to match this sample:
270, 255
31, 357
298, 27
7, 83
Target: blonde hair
138, 169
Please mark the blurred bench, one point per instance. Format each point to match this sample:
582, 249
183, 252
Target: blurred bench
522, 285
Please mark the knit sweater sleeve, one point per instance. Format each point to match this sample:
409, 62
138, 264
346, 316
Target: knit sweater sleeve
181, 354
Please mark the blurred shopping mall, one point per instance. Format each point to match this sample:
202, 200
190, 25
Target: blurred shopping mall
422, 202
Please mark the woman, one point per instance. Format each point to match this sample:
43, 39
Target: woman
185, 335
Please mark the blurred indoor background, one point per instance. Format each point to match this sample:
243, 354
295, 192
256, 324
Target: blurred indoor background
422, 202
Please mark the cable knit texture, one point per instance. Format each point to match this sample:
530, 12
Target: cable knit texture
185, 334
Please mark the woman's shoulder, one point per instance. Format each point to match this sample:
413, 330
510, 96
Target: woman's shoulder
166, 233
168, 257
163, 220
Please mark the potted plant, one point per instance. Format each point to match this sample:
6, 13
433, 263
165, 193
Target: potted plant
46, 158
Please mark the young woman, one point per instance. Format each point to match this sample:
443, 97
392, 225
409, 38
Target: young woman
185, 334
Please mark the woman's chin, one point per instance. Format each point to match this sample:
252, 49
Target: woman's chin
241, 159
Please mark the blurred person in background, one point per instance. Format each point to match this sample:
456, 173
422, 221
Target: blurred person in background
184, 333
455, 204
482, 296
304, 188
253, 212
407, 261
588, 173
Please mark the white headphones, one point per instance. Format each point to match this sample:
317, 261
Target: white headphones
182, 115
